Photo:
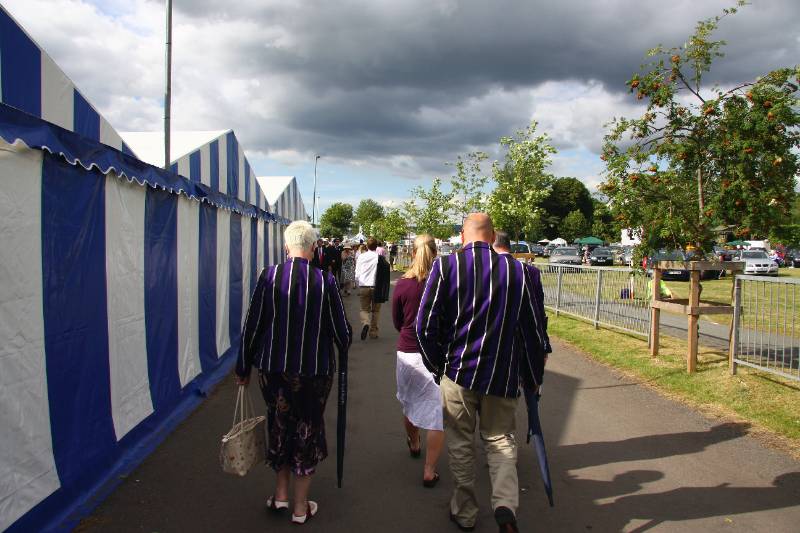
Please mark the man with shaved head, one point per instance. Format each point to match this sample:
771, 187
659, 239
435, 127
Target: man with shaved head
480, 334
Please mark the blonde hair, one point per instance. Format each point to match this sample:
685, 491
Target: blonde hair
424, 254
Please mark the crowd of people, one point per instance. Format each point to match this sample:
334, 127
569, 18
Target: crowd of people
472, 334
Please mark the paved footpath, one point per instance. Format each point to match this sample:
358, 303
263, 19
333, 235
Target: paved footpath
623, 459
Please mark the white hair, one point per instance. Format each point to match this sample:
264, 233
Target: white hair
300, 235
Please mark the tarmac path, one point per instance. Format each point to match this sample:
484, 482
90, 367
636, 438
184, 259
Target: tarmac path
623, 458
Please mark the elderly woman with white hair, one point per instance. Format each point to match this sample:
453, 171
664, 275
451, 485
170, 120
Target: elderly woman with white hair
295, 318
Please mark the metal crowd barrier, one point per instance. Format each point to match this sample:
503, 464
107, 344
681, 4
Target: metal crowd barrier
766, 325
611, 297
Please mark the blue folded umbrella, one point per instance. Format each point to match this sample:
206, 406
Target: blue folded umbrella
341, 419
535, 431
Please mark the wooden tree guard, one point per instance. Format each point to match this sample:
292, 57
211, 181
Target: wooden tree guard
691, 307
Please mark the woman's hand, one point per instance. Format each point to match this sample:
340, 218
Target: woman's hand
242, 380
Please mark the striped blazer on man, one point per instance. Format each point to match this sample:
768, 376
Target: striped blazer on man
295, 318
478, 321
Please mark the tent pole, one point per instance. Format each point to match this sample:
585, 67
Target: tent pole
168, 88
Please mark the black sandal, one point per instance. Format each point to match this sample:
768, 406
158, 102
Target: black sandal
414, 453
430, 483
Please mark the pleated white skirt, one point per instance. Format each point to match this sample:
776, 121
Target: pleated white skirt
418, 393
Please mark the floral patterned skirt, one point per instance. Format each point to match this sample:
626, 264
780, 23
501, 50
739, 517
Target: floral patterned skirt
295, 422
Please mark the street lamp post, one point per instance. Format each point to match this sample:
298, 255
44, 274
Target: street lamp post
314, 198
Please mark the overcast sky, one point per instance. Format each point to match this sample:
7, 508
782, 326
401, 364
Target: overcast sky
388, 91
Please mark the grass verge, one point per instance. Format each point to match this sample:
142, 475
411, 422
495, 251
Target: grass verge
770, 403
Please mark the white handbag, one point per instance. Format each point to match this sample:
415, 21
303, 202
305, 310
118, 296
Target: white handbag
244, 445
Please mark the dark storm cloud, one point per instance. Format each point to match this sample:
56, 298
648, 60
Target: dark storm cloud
416, 78
466, 46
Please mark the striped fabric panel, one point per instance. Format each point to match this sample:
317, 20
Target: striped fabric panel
76, 321
207, 286
189, 258
125, 289
223, 281
57, 95
27, 468
235, 268
161, 296
31, 81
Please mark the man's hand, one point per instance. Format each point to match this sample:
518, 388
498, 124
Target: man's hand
242, 380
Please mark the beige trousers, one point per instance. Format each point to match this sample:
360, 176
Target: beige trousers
496, 423
370, 311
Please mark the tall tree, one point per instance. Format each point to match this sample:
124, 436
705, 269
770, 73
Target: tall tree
603, 224
521, 182
567, 195
468, 184
392, 227
700, 158
367, 213
337, 220
574, 226
430, 210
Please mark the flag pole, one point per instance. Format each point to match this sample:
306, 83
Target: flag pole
168, 87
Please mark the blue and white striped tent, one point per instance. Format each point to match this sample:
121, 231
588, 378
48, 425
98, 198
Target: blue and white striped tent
122, 289
283, 196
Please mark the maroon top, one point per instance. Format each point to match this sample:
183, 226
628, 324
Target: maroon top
405, 304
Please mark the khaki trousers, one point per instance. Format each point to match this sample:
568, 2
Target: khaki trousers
495, 416
370, 311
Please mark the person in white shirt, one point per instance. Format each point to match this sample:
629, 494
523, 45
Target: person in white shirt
366, 266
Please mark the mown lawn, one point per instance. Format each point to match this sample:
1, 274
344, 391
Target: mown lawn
768, 402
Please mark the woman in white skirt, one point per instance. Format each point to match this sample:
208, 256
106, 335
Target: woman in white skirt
417, 391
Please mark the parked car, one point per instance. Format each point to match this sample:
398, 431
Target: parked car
520, 247
601, 256
537, 249
446, 249
566, 255
757, 262
549, 249
627, 257
723, 254
679, 274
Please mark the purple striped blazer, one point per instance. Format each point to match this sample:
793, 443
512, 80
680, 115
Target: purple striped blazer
295, 318
481, 321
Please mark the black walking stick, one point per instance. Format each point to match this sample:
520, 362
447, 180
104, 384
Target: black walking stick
341, 419
535, 431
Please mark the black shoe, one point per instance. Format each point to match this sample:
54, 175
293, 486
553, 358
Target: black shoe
506, 520
462, 528
364, 332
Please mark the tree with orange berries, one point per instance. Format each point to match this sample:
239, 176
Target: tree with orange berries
699, 158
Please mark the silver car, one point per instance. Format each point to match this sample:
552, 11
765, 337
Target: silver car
757, 262
566, 255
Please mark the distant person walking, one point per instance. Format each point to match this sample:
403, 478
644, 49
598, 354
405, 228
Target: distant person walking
348, 270
366, 268
295, 361
334, 258
477, 330
318, 259
502, 245
392, 255
417, 392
